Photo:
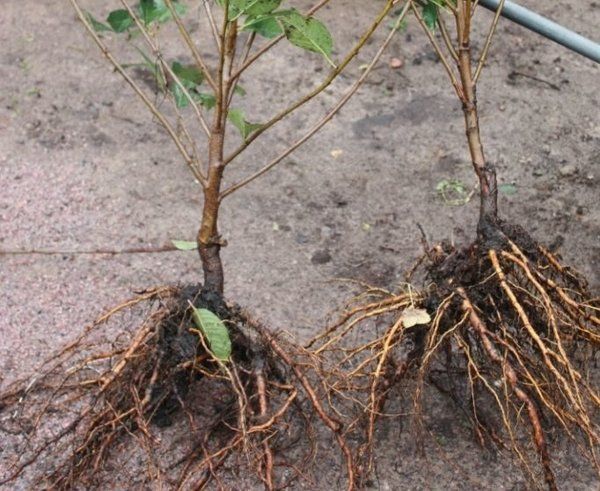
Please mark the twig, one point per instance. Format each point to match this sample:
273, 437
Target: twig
54, 252
488, 42
446, 37
213, 24
514, 74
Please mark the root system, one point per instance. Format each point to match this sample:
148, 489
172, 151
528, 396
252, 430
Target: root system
151, 404
501, 327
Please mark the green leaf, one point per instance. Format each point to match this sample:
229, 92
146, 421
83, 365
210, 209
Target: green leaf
189, 75
238, 89
265, 25
181, 100
157, 11
206, 100
238, 119
430, 15
235, 8
260, 7
98, 26
185, 245
238, 8
507, 189
307, 33
119, 20
215, 332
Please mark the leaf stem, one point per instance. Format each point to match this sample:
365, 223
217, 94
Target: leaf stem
488, 42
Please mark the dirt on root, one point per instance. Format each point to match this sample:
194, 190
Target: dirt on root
83, 167
139, 391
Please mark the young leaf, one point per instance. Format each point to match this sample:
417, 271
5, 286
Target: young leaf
260, 7
181, 100
307, 33
97, 25
238, 119
206, 100
157, 10
185, 245
265, 25
454, 192
215, 332
430, 15
119, 20
238, 8
189, 75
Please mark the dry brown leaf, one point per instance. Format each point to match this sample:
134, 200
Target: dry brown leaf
411, 317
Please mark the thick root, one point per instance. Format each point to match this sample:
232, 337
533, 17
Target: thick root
151, 406
511, 330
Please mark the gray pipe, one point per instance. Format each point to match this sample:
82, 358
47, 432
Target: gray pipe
546, 28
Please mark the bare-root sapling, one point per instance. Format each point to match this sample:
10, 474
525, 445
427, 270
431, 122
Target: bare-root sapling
502, 326
231, 394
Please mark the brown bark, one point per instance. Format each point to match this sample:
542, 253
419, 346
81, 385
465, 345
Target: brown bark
488, 209
209, 240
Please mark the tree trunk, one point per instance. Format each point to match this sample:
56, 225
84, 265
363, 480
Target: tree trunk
209, 240
488, 208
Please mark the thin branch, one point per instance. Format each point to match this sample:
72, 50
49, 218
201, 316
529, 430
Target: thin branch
488, 42
261, 51
330, 78
151, 106
195, 153
57, 252
213, 24
438, 50
440, 4
332, 112
446, 38
248, 46
188, 40
166, 67
450, 7
245, 54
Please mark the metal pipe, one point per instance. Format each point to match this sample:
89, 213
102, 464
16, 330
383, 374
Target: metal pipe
546, 28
